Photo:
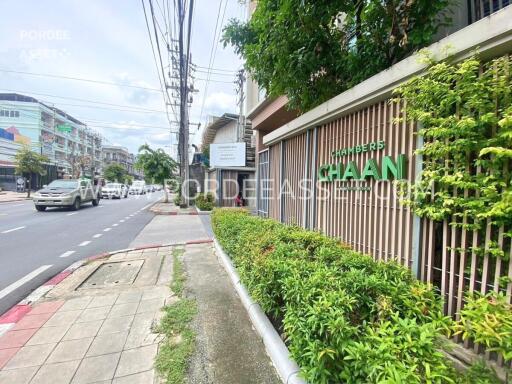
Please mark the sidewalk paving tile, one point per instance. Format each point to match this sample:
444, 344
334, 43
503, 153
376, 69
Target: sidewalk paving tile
30, 356
59, 373
156, 293
103, 301
48, 307
14, 339
48, 335
136, 360
147, 377
83, 330
17, 376
152, 305
143, 322
105, 344
116, 324
70, 350
6, 354
92, 314
76, 304
129, 297
137, 339
32, 321
95, 369
63, 319
119, 310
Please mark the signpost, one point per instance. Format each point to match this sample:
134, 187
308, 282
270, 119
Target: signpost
227, 155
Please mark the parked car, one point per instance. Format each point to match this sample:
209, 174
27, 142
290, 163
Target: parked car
138, 188
114, 191
70, 193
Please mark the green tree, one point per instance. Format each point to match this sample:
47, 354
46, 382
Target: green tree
312, 50
29, 162
115, 172
157, 166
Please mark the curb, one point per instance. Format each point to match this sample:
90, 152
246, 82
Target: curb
287, 369
176, 213
18, 311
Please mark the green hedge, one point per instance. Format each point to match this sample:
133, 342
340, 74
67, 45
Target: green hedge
204, 201
344, 317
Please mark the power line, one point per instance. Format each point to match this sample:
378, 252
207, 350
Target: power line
79, 79
78, 99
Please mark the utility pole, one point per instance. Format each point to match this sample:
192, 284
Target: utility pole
240, 80
184, 66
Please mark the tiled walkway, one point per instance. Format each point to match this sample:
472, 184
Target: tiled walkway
92, 336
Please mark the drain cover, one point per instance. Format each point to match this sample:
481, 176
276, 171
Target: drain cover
113, 274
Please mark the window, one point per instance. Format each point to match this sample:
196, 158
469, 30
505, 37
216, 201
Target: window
6, 113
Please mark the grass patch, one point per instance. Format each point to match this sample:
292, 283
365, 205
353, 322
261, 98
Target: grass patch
174, 354
178, 274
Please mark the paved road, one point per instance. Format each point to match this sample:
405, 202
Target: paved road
34, 246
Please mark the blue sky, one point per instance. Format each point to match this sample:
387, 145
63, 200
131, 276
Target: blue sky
107, 40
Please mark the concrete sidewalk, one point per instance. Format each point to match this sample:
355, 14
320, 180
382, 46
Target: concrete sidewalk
9, 196
97, 324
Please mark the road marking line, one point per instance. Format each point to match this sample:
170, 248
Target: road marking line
18, 205
84, 243
147, 206
121, 221
71, 214
131, 215
67, 253
107, 229
115, 225
14, 229
97, 235
4, 292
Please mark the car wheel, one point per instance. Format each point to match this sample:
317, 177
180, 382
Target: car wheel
41, 208
76, 204
95, 202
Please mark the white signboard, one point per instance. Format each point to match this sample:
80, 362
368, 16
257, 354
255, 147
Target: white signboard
227, 155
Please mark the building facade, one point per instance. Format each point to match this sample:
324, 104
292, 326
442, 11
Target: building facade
307, 166
121, 155
227, 181
72, 148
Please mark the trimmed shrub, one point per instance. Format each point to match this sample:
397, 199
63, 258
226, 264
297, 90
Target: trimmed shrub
205, 201
344, 317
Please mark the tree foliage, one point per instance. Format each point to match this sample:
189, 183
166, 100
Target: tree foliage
157, 165
465, 114
311, 50
28, 162
115, 172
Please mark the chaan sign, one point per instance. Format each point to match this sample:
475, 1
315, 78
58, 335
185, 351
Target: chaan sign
388, 169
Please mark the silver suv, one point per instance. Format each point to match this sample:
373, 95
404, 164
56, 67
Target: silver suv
66, 193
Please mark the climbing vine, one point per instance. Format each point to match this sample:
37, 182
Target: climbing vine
464, 114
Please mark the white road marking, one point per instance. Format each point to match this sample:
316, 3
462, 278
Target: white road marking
14, 229
97, 235
121, 221
131, 215
71, 214
115, 225
84, 243
107, 229
147, 206
67, 253
17, 205
4, 292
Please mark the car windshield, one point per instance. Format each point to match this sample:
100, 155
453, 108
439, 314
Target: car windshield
113, 185
68, 184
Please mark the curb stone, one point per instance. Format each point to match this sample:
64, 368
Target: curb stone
18, 311
287, 369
